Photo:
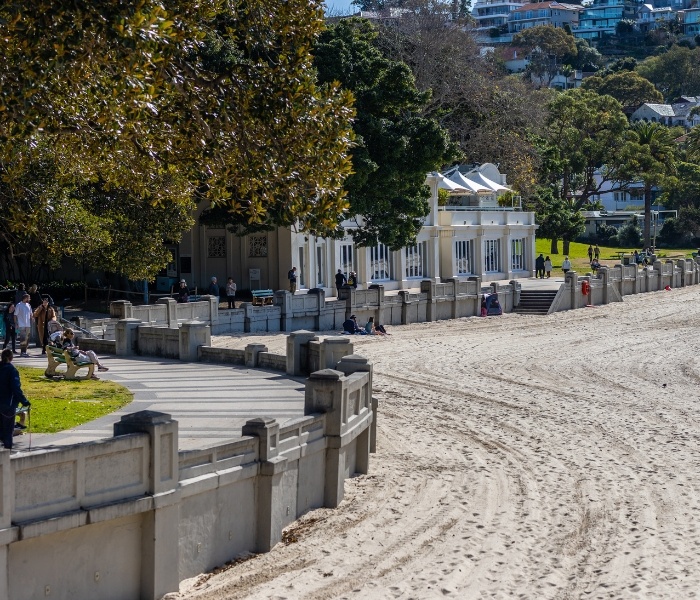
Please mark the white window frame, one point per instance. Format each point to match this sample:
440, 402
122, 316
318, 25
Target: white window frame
346, 258
492, 256
415, 261
380, 263
517, 254
464, 257
320, 265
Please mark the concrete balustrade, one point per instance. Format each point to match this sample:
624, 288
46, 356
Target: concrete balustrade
449, 299
131, 517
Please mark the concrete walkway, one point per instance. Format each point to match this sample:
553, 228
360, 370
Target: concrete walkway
211, 402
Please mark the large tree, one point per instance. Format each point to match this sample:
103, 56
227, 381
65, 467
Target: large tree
395, 147
557, 217
589, 145
47, 219
489, 114
547, 46
674, 73
588, 148
655, 162
221, 94
629, 88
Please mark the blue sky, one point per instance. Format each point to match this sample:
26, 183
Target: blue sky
340, 6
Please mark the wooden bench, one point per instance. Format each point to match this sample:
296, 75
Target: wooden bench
59, 356
262, 297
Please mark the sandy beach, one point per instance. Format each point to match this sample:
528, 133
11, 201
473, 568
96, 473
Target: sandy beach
518, 457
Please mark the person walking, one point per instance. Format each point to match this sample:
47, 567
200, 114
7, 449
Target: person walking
596, 252
10, 319
548, 267
590, 253
566, 265
231, 292
292, 276
340, 280
43, 315
24, 323
11, 396
539, 267
35, 303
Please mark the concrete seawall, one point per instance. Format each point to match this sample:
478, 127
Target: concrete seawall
131, 516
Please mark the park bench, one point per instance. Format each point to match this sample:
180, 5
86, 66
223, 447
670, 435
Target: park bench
59, 356
262, 297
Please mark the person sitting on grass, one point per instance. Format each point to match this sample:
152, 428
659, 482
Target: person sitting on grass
595, 265
75, 352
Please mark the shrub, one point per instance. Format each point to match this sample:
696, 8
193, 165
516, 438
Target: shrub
630, 234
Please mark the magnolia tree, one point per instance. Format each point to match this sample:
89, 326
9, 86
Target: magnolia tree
168, 105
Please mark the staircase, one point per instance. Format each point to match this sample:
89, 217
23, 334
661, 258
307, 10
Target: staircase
535, 302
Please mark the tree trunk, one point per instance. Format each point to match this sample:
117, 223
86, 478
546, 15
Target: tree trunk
647, 215
565, 247
554, 249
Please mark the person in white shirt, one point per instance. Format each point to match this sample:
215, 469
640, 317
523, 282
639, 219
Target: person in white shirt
566, 265
24, 323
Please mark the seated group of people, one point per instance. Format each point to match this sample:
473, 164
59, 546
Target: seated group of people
371, 328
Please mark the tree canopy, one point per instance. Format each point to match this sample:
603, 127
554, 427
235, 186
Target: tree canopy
220, 94
588, 136
674, 73
627, 87
491, 115
654, 161
395, 146
548, 46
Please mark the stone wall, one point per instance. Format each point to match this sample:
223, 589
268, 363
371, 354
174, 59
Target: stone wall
612, 284
449, 299
130, 516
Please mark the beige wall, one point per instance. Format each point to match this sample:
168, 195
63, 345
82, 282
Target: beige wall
130, 517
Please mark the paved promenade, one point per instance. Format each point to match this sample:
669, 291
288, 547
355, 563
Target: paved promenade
210, 402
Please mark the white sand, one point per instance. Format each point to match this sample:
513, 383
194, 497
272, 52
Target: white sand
518, 457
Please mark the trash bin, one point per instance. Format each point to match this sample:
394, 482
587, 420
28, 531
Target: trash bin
626, 260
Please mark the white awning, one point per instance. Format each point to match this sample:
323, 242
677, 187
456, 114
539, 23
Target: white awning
472, 186
450, 186
477, 177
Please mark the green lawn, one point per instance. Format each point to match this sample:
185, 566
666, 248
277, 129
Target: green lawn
578, 254
58, 404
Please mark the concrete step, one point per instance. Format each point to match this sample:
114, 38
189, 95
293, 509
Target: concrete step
535, 302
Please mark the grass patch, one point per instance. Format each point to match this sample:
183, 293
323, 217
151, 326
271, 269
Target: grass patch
578, 254
59, 404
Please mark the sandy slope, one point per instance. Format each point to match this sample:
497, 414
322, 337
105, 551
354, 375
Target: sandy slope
519, 457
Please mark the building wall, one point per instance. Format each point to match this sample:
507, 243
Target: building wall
261, 261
